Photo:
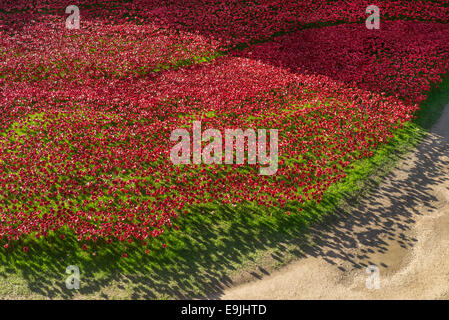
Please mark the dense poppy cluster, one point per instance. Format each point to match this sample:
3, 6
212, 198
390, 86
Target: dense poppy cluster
231, 22
86, 115
401, 59
47, 50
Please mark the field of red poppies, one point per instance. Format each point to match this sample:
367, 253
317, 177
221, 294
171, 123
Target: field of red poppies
86, 115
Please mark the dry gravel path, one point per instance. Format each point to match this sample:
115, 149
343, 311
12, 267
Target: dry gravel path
402, 227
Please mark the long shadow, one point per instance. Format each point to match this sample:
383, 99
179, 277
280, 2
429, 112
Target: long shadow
389, 212
349, 54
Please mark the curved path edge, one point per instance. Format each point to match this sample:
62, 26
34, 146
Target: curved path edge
402, 227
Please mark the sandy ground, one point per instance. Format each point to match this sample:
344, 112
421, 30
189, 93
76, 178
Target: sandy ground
402, 228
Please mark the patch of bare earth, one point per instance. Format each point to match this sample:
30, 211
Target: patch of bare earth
402, 227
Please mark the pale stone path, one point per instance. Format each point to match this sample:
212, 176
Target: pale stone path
402, 227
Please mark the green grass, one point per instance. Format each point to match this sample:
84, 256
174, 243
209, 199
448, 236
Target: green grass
215, 242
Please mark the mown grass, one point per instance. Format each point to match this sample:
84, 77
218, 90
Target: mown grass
214, 241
